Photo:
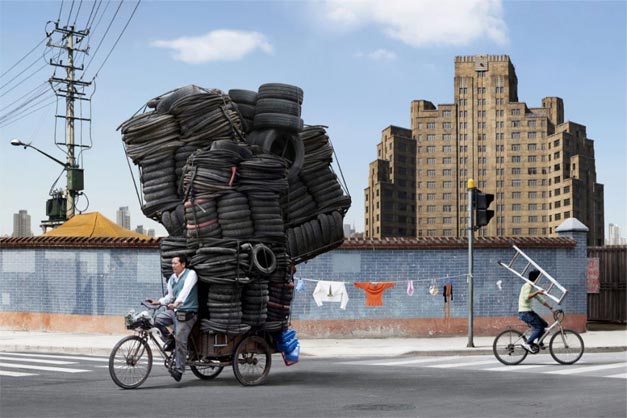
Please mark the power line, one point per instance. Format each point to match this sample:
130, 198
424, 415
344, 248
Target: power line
26, 102
17, 112
33, 111
21, 82
24, 57
20, 73
103, 38
21, 97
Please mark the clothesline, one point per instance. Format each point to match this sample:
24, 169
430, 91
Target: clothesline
387, 281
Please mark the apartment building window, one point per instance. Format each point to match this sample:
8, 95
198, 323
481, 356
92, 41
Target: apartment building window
532, 219
556, 167
531, 147
463, 102
515, 147
500, 160
481, 113
431, 185
515, 158
463, 114
430, 196
533, 231
480, 90
500, 90
447, 232
430, 125
515, 135
516, 183
515, 112
515, 124
431, 137
556, 143
463, 160
532, 207
447, 172
558, 204
447, 160
516, 231
516, 170
531, 123
481, 148
447, 208
430, 221
500, 124
532, 195
463, 125
531, 158
566, 202
500, 171
463, 148
556, 155
556, 179
516, 195
463, 90
481, 125
463, 137
515, 219
500, 183
531, 135
447, 148
430, 173
500, 136
447, 184
446, 125
532, 171
482, 160
463, 172
500, 113
447, 196
500, 100
567, 189
431, 208
532, 182
431, 232
558, 216
446, 137
446, 113
431, 148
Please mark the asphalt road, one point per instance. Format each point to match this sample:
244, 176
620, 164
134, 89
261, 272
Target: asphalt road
459, 386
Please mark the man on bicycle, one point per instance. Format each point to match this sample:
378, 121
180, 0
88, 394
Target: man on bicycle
182, 303
526, 313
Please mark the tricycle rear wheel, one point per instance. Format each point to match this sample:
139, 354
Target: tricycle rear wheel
206, 372
252, 361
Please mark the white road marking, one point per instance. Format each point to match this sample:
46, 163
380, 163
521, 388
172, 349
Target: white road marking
15, 374
618, 376
515, 368
576, 370
56, 356
414, 361
50, 369
58, 362
469, 363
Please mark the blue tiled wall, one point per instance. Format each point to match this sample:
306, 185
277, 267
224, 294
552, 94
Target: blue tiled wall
110, 281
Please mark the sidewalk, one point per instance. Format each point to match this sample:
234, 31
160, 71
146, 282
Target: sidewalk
101, 345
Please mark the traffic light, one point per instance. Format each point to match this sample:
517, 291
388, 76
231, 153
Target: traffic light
482, 203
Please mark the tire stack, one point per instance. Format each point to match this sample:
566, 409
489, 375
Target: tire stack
244, 189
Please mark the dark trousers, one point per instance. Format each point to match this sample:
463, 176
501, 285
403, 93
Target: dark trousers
536, 321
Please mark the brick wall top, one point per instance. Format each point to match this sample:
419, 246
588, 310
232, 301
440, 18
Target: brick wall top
456, 243
77, 242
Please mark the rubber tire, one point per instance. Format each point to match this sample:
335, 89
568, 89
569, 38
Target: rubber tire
287, 107
554, 351
505, 340
215, 371
278, 120
241, 350
112, 357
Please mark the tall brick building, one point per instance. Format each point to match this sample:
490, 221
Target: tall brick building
540, 168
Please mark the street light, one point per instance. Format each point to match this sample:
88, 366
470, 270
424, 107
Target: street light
60, 209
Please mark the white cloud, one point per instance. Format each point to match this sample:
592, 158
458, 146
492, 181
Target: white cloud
381, 55
424, 22
217, 45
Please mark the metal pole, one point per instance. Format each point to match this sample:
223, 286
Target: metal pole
69, 106
471, 190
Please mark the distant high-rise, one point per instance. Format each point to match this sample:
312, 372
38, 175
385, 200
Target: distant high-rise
140, 229
21, 224
614, 235
540, 168
150, 232
123, 217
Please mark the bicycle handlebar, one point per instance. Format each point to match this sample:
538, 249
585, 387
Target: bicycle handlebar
150, 306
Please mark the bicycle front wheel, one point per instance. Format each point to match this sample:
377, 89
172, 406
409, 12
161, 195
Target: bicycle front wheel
566, 346
130, 362
507, 347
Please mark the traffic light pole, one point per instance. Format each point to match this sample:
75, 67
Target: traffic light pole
471, 232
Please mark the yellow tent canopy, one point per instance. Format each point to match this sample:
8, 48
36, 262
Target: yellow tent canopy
93, 224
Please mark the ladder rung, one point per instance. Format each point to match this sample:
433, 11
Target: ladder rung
511, 263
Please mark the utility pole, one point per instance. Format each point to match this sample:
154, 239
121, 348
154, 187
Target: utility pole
74, 179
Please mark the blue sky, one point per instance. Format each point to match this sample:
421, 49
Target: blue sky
360, 64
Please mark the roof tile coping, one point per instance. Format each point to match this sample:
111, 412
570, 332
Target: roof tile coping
456, 243
78, 242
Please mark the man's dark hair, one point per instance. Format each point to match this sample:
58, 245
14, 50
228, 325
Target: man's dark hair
533, 275
182, 259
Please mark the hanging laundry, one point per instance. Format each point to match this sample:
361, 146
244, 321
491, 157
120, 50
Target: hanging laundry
499, 284
374, 291
410, 287
433, 287
299, 284
447, 291
327, 291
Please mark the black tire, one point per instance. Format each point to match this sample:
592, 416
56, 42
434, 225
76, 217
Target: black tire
207, 372
566, 347
252, 361
280, 91
264, 259
243, 96
507, 347
278, 120
287, 107
130, 362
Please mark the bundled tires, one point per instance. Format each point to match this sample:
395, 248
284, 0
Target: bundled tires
244, 188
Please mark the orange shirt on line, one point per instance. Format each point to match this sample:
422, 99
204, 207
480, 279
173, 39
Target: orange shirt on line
374, 291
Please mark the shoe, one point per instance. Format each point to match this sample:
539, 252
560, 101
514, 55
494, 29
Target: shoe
169, 345
527, 347
176, 375
542, 346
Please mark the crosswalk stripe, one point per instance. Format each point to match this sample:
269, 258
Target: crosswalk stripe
515, 368
618, 376
15, 374
414, 361
577, 370
469, 363
44, 368
58, 362
56, 356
